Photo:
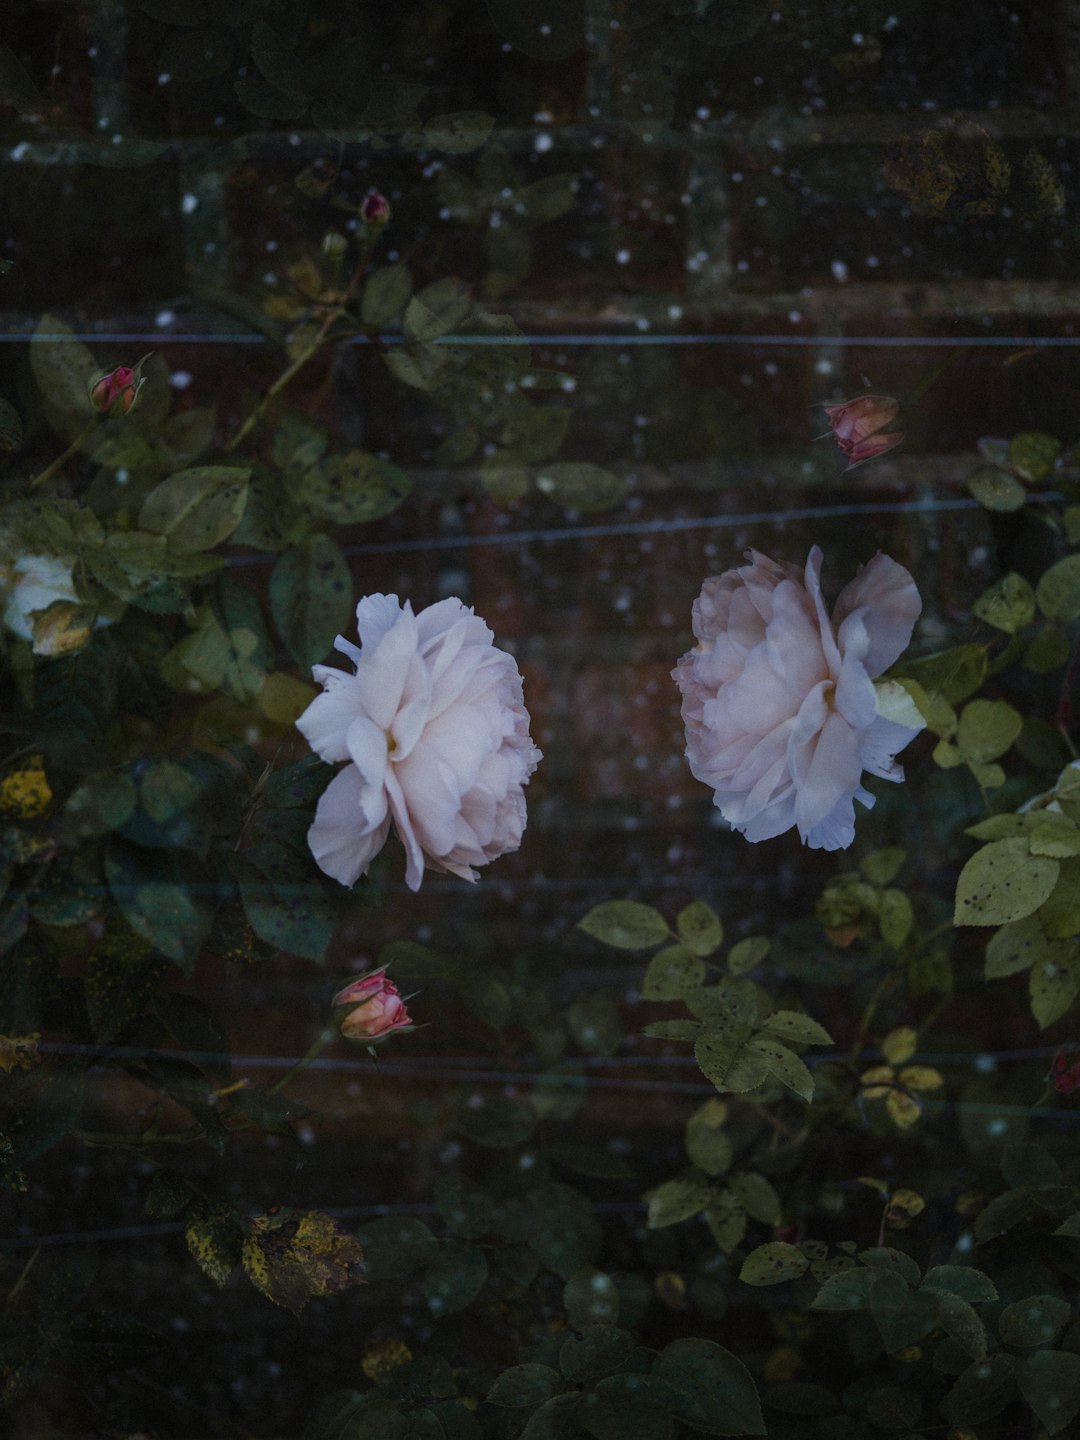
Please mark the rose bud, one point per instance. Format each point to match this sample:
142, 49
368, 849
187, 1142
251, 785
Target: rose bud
1065, 1075
375, 1007
117, 390
859, 426
375, 208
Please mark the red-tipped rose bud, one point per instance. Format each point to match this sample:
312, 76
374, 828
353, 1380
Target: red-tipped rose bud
375, 208
859, 426
1065, 1072
116, 391
376, 1008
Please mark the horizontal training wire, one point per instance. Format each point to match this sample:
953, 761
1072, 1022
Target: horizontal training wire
649, 527
638, 337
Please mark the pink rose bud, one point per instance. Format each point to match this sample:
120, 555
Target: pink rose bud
118, 390
1065, 1075
375, 208
376, 1007
859, 425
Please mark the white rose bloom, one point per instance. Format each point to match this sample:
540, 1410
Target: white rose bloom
436, 736
779, 701
34, 582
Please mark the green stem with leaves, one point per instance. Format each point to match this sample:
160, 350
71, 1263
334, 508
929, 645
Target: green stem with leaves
73, 449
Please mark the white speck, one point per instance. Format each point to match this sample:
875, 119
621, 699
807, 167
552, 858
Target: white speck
545, 29
795, 316
164, 318
872, 262
622, 257
823, 367
180, 379
122, 476
839, 271
20, 151
164, 78
997, 1127
271, 245
985, 1063
674, 312
543, 142
703, 112
189, 203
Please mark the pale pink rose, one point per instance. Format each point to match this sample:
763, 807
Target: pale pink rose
436, 734
779, 701
859, 426
377, 1007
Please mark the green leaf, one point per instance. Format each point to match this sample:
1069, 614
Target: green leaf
1058, 591
963, 1280
591, 1298
1032, 454
881, 867
626, 924
596, 1024
287, 902
730, 1064
154, 892
677, 1200
1008, 605
396, 1245
595, 1351
354, 488
987, 729
268, 101
311, 598
757, 1197
420, 365
1001, 1214
895, 918
773, 1264
199, 508
745, 954
469, 1211
1002, 882
982, 1391
784, 1065
525, 1386
707, 1143
726, 1220
386, 294
674, 1029
793, 1025
551, 1420
537, 431
581, 485
1036, 1320
562, 1228
717, 1394
1048, 651
955, 673
886, 1257
1054, 983
672, 972
1050, 1382
849, 1290
455, 1277
1054, 835
64, 370
700, 928
1060, 914
460, 132
996, 490
122, 976
437, 309
499, 1122
902, 1316
1017, 946
961, 1324
1070, 1227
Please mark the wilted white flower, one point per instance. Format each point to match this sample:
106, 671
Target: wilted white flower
779, 701
436, 735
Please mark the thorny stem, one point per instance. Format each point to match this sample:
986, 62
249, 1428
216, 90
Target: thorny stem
61, 461
309, 351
